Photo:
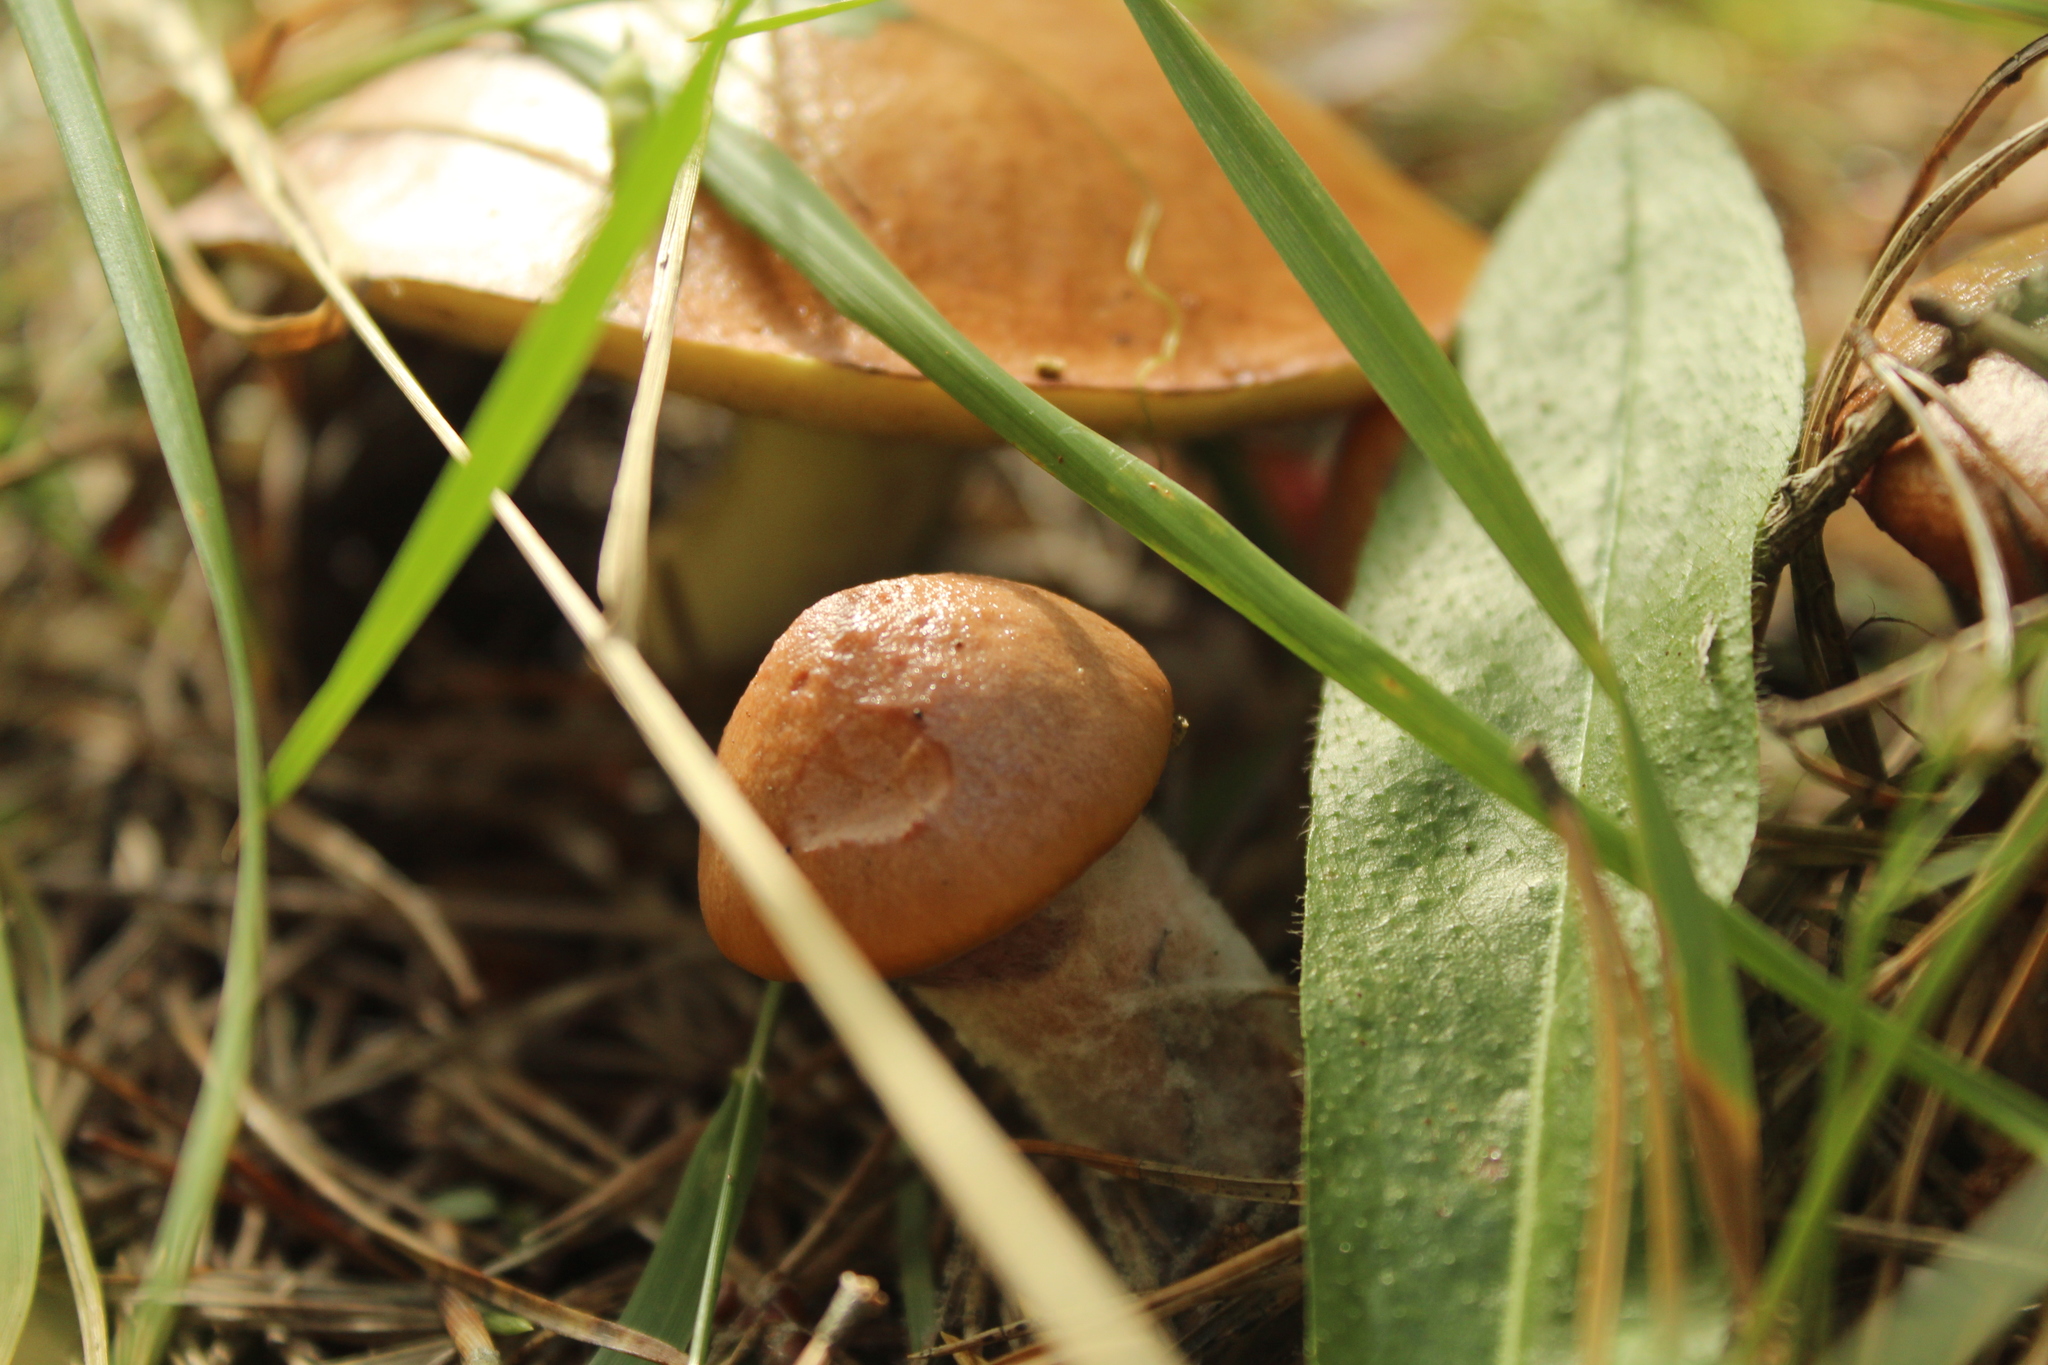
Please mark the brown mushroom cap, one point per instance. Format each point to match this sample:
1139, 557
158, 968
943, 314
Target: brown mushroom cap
1905, 493
1002, 152
941, 754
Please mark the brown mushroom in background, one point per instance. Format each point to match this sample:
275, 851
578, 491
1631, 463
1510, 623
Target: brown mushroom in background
960, 765
1007, 154
2008, 403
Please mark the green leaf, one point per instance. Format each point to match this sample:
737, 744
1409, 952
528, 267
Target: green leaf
1360, 302
63, 65
677, 1290
1633, 342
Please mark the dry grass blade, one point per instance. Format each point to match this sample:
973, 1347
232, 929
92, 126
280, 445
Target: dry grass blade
307, 1158
2008, 74
1248, 1188
282, 334
355, 863
1034, 1244
1903, 253
1603, 1248
857, 1297
60, 1196
622, 560
1992, 587
620, 1188
1042, 1255
1218, 1281
1790, 717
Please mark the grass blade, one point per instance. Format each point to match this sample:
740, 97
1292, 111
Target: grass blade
775, 199
676, 1291
21, 1204
2022, 846
1953, 1308
1368, 314
62, 62
521, 405
915, 1284
68, 1220
1361, 304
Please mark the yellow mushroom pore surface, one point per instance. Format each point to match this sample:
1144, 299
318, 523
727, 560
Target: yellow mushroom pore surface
940, 754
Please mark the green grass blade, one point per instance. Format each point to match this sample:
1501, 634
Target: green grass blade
1954, 1308
2022, 847
677, 1290
1445, 994
525, 397
2018, 1113
21, 1204
1363, 307
771, 195
915, 1283
62, 62
1361, 304
67, 1218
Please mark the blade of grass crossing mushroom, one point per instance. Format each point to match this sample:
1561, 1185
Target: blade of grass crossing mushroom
772, 196
758, 184
1416, 380
1025, 1236
622, 557
62, 62
1408, 369
1028, 1238
674, 1295
524, 398
21, 1204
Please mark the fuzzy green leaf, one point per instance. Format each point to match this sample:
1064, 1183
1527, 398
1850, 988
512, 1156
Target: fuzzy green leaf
1633, 343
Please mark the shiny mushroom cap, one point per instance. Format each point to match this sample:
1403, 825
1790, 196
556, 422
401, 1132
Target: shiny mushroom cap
1010, 156
941, 754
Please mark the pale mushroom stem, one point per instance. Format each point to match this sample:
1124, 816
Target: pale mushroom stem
1132, 1015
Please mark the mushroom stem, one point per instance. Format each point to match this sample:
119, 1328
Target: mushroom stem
1132, 1015
794, 513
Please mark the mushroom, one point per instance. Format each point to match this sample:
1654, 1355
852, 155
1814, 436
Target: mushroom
1014, 157
960, 764
1905, 493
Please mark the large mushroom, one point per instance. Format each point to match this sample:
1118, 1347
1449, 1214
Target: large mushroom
960, 765
1024, 161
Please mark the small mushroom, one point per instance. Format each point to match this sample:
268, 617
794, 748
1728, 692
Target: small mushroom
960, 764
